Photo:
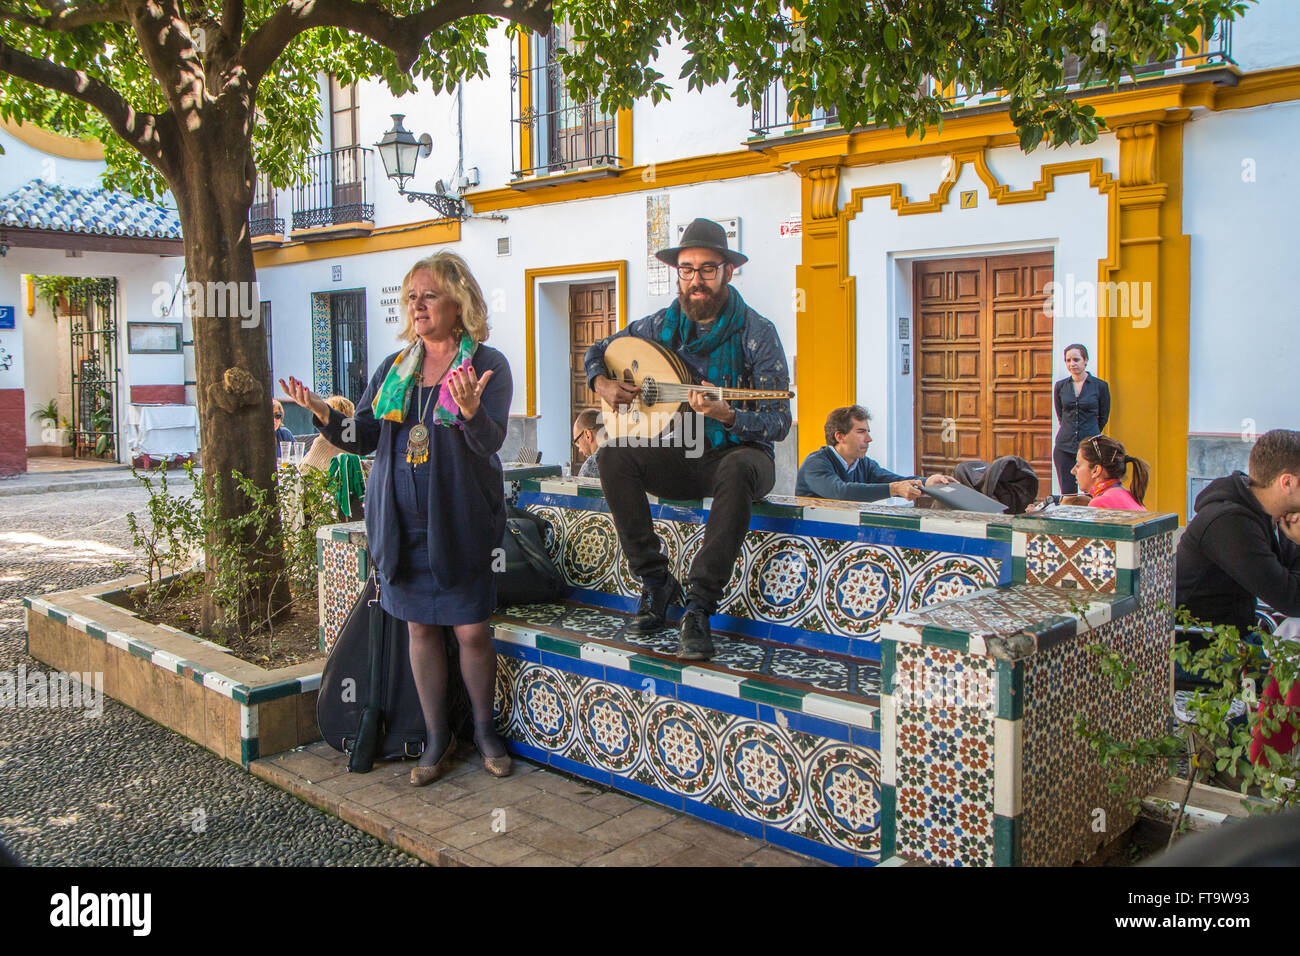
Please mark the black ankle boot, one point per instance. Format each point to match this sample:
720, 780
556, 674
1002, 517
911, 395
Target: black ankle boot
696, 643
655, 601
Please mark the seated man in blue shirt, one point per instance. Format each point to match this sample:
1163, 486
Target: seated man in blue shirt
841, 469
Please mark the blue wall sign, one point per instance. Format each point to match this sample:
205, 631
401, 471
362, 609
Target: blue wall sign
6, 316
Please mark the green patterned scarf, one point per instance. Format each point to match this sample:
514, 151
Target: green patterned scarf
395, 393
721, 346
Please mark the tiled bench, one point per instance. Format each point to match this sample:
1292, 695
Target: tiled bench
885, 680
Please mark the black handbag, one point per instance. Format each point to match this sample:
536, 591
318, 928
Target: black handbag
529, 576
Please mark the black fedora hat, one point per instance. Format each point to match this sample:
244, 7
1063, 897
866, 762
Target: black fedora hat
702, 234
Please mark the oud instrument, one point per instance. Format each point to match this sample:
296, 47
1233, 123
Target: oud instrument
663, 383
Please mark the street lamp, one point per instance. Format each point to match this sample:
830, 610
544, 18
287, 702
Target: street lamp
400, 151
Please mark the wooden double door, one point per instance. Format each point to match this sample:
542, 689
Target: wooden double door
984, 362
593, 315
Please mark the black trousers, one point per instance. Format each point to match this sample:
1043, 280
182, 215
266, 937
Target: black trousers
734, 476
1065, 470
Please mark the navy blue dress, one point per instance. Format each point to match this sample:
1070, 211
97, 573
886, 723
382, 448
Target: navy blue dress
432, 529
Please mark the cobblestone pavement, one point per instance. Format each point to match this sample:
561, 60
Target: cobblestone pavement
120, 789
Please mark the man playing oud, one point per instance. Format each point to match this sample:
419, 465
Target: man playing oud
725, 343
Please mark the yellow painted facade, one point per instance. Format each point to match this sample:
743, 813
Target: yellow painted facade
1146, 365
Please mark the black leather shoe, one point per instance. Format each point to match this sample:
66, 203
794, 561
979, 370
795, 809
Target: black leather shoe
696, 642
654, 605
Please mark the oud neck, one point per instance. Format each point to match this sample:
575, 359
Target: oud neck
727, 394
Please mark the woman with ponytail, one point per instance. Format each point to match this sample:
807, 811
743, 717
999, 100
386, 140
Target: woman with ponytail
1100, 466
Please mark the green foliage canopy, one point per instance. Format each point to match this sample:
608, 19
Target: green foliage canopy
130, 67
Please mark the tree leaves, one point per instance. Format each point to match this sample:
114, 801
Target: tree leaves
875, 62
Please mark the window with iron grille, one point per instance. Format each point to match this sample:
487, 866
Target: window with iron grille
552, 131
348, 341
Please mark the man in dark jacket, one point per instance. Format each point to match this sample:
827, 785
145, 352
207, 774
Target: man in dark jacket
725, 343
1244, 542
841, 470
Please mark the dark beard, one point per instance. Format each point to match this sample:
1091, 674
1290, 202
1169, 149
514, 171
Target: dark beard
706, 309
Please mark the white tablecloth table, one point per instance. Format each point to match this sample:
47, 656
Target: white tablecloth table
163, 430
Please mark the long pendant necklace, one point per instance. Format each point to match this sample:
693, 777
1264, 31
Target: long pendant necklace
417, 442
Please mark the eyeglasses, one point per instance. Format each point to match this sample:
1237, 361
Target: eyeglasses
707, 270
277, 414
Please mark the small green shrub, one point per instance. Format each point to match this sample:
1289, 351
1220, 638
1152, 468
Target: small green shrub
1210, 744
180, 528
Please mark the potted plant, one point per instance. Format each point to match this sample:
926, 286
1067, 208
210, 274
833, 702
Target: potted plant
54, 431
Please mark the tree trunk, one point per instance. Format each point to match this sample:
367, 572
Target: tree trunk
233, 371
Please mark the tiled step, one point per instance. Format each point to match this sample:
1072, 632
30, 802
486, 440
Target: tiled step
835, 686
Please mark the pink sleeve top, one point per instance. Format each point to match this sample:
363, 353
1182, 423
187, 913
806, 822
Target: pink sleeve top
1117, 497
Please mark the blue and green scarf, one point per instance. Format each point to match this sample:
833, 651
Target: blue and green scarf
394, 393
722, 347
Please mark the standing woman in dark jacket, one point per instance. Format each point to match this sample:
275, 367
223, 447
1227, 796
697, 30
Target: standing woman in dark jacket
435, 415
1083, 407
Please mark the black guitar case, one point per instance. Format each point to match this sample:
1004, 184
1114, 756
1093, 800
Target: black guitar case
387, 718
384, 721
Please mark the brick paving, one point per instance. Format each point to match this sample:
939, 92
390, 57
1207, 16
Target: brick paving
534, 817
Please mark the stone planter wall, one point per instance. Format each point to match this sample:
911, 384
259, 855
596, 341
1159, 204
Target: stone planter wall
238, 710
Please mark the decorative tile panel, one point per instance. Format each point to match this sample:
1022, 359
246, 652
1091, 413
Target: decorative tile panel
945, 757
1068, 809
747, 657
1005, 611
1084, 563
341, 582
800, 583
782, 781
322, 345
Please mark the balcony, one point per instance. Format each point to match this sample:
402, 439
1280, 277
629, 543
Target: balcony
773, 117
554, 137
337, 199
264, 227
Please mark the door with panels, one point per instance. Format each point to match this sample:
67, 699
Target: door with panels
984, 361
593, 315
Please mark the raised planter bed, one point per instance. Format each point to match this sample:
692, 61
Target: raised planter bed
236, 709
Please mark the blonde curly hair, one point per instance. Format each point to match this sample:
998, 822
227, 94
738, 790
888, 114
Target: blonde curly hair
452, 275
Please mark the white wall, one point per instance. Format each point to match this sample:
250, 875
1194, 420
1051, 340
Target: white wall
1071, 222
1268, 36
21, 163
1245, 316
688, 123
586, 231
12, 358
44, 378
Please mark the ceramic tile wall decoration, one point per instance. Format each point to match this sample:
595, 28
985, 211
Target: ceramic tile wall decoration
824, 585
1058, 561
945, 757
1069, 811
798, 667
748, 750
322, 344
341, 586
825, 791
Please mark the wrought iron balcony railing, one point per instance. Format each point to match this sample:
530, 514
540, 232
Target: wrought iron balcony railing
262, 220
773, 117
338, 189
550, 131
